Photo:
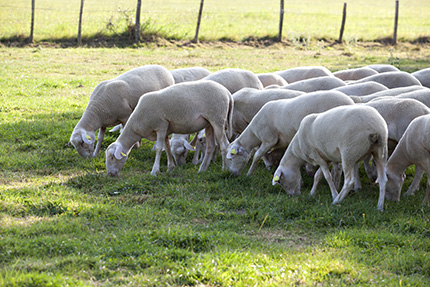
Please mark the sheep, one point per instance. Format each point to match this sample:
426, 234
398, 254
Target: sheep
422, 95
413, 148
189, 74
247, 102
354, 74
316, 84
302, 73
275, 125
112, 102
236, 79
386, 93
345, 135
268, 79
423, 76
382, 68
361, 89
392, 79
183, 108
179, 146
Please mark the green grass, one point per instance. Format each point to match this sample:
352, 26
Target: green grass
63, 222
231, 20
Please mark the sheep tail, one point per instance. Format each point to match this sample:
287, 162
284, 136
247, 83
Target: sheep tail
376, 139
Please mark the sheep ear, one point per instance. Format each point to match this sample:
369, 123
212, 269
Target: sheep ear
119, 154
276, 177
188, 146
86, 138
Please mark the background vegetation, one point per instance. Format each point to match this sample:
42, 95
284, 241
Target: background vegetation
63, 222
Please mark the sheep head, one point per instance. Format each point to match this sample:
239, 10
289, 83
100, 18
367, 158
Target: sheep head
180, 150
83, 142
393, 186
116, 156
289, 179
236, 159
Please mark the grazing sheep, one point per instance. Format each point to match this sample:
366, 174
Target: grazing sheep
383, 68
346, 135
354, 74
413, 148
268, 79
422, 95
275, 125
189, 74
179, 145
423, 76
386, 93
247, 102
316, 84
362, 89
236, 79
112, 102
392, 79
183, 108
302, 73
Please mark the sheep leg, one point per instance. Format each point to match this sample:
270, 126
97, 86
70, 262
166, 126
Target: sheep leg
261, 151
170, 162
347, 185
381, 170
159, 144
317, 177
357, 184
210, 146
336, 173
416, 182
222, 141
370, 169
427, 196
328, 178
100, 138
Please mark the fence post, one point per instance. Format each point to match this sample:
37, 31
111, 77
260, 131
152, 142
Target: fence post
342, 27
281, 21
396, 20
196, 37
33, 4
80, 23
137, 24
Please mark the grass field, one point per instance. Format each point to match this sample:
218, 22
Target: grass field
63, 222
231, 20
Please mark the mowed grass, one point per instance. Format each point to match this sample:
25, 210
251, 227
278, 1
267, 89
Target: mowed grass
230, 20
63, 222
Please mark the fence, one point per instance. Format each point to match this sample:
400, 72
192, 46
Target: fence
202, 12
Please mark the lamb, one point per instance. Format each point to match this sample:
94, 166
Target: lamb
183, 108
345, 135
112, 102
247, 102
189, 74
268, 79
423, 76
392, 79
236, 79
362, 89
386, 93
354, 74
302, 73
316, 84
179, 146
275, 125
413, 148
383, 68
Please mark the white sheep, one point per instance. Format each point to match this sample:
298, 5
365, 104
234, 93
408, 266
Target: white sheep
343, 135
316, 84
275, 125
302, 73
183, 108
269, 79
112, 102
179, 146
354, 74
392, 79
247, 102
413, 148
423, 76
386, 93
362, 89
422, 95
383, 68
236, 79
189, 74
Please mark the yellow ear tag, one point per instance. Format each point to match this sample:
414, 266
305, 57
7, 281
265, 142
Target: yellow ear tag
123, 154
204, 135
276, 178
233, 151
88, 137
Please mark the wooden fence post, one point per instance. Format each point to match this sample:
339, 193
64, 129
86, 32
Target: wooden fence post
80, 23
281, 21
196, 37
137, 24
342, 27
396, 20
33, 4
